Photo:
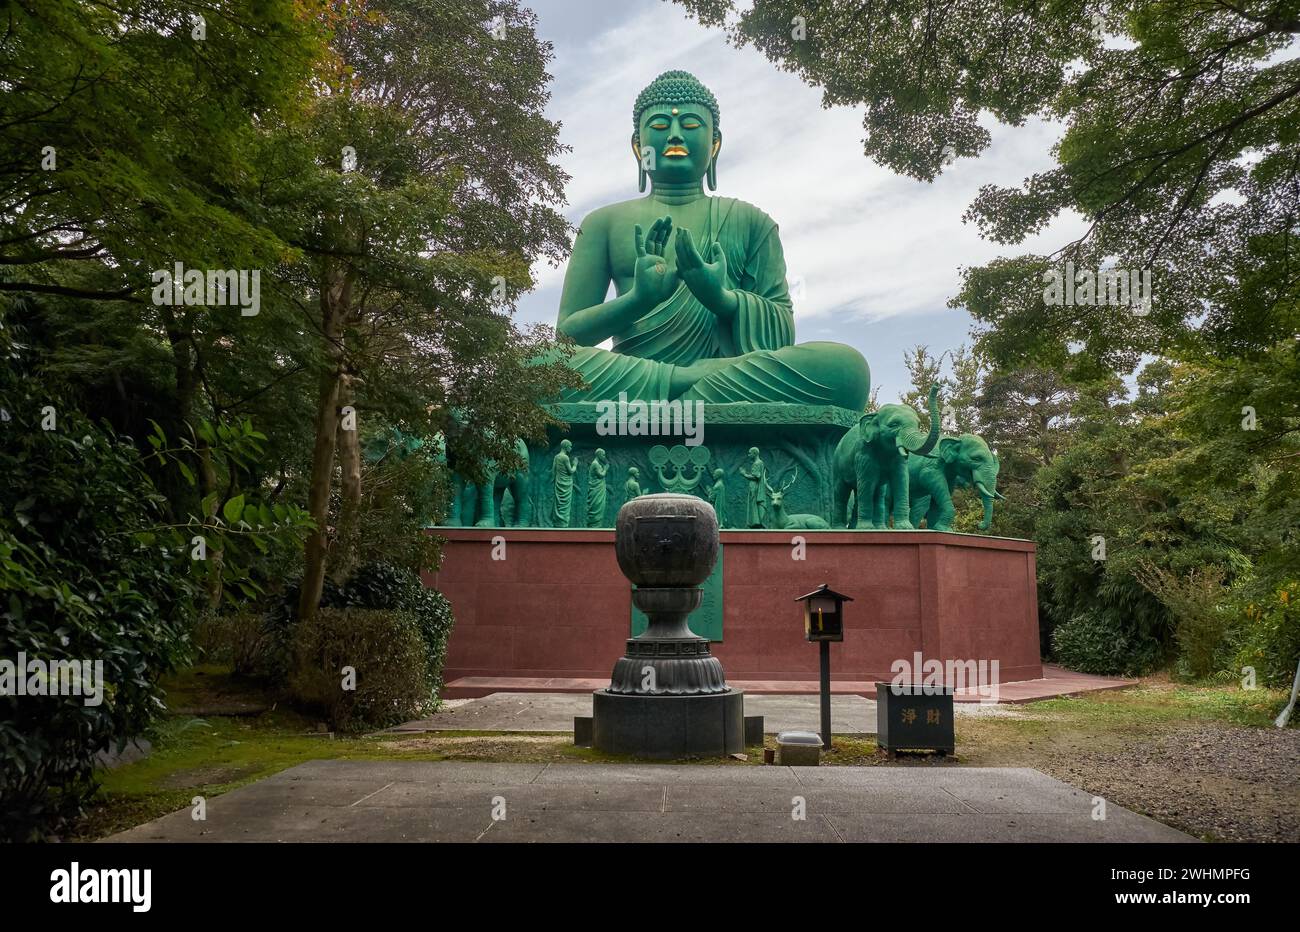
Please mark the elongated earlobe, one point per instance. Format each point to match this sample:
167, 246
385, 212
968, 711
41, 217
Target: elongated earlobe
712, 177
640, 166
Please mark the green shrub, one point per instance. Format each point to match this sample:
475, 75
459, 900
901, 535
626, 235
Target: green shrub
239, 638
433, 615
1271, 639
383, 585
373, 586
1097, 642
1204, 624
385, 650
82, 577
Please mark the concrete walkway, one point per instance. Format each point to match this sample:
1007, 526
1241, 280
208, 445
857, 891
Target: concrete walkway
1056, 681
419, 801
554, 712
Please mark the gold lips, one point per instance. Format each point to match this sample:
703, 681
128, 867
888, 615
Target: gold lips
676, 150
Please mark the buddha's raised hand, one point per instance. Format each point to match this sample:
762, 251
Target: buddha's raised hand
653, 282
707, 280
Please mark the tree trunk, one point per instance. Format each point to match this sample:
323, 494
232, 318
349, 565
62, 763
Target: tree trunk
217, 555
335, 298
349, 452
186, 364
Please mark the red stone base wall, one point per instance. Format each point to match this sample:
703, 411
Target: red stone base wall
557, 605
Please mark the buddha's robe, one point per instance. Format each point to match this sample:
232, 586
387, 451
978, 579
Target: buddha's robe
757, 360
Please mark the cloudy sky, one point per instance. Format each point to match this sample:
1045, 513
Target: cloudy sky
879, 255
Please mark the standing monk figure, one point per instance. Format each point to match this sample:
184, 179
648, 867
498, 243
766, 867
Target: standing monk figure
718, 498
562, 471
755, 474
596, 490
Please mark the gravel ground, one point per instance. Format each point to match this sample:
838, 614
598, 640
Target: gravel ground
1220, 782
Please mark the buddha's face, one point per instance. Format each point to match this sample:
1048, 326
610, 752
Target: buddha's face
681, 136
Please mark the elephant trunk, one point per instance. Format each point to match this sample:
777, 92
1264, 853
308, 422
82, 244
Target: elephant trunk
914, 441
987, 496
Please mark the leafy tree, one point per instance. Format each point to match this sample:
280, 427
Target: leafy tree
964, 388
1028, 415
959, 391
418, 189
924, 70
1179, 148
93, 194
924, 371
85, 578
1111, 508
129, 130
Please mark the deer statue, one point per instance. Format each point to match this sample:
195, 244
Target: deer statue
792, 522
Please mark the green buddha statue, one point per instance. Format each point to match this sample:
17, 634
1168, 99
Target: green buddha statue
702, 310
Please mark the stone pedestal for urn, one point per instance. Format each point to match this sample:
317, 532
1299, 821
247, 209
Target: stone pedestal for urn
668, 697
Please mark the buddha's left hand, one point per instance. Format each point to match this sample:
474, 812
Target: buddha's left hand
706, 280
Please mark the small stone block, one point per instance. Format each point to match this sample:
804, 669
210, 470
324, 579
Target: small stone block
753, 730
798, 749
582, 731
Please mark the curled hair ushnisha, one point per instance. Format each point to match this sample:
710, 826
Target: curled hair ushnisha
675, 87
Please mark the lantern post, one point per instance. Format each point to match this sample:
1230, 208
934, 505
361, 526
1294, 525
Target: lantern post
823, 622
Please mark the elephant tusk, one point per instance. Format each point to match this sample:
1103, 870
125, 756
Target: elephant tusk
987, 494
903, 451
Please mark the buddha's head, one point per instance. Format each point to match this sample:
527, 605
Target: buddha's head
676, 118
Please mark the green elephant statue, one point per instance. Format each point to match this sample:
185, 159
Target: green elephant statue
873, 458
957, 462
479, 505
